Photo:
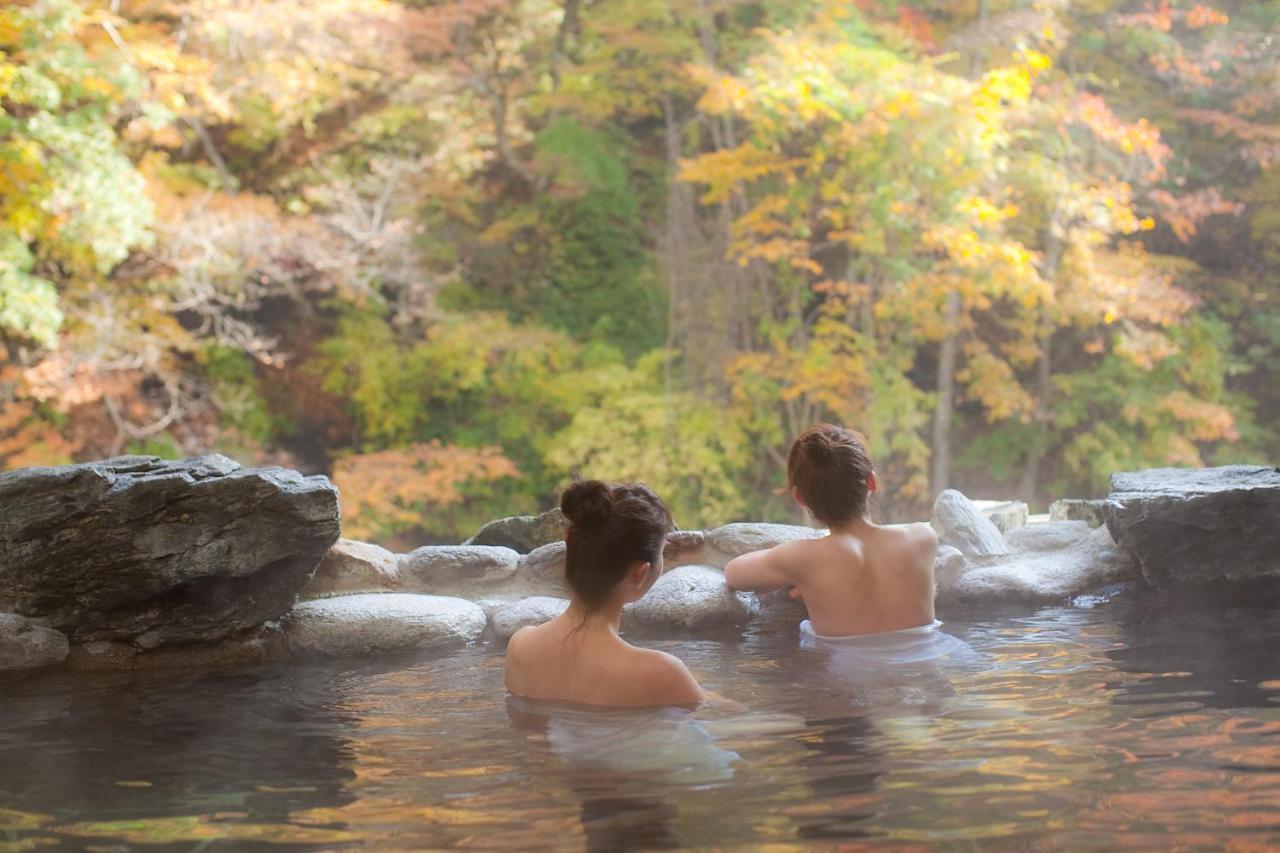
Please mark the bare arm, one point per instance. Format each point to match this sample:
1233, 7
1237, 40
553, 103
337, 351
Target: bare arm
760, 571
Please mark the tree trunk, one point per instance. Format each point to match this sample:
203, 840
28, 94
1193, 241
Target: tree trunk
940, 460
1039, 444
681, 220
948, 355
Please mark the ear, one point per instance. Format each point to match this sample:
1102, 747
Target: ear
795, 493
639, 572
872, 483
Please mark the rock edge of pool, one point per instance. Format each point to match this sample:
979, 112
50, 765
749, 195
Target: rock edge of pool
137, 562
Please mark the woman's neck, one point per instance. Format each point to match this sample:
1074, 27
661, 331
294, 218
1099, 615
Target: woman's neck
602, 617
856, 527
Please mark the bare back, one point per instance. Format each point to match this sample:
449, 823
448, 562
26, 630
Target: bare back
880, 579
866, 580
566, 661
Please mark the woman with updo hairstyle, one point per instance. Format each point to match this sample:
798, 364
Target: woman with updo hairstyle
613, 557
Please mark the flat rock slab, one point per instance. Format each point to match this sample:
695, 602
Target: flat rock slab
1199, 525
1005, 515
1048, 576
351, 567
960, 524
25, 645
1091, 512
455, 568
690, 597
734, 540
353, 625
155, 552
536, 610
523, 533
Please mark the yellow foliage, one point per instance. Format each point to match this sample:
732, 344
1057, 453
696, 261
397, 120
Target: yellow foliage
724, 171
990, 381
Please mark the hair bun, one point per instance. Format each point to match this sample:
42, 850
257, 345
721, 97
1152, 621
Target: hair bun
587, 504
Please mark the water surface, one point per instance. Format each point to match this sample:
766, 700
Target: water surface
1122, 725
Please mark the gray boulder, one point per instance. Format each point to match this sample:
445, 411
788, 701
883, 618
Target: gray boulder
255, 646
734, 540
1074, 509
1199, 525
960, 524
455, 568
1048, 576
775, 610
1052, 536
352, 625
689, 597
541, 571
26, 645
523, 533
352, 567
948, 565
156, 552
684, 548
491, 606
513, 616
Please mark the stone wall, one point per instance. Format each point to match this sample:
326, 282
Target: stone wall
140, 563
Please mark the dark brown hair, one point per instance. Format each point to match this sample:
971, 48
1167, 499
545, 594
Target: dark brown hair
611, 528
829, 466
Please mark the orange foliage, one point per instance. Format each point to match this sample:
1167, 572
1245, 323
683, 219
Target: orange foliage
28, 440
1201, 16
1162, 16
1264, 138
1140, 137
918, 25
390, 489
433, 31
1202, 420
1185, 213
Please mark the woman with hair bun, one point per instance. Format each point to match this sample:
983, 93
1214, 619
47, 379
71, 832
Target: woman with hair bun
614, 555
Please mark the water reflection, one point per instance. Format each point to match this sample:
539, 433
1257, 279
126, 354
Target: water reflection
843, 766
159, 753
1206, 657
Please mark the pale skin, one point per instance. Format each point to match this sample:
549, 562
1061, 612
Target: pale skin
862, 578
579, 657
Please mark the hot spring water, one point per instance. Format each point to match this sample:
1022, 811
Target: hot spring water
1070, 728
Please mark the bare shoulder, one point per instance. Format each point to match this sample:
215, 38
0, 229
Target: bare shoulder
796, 559
520, 638
785, 552
797, 550
519, 645
665, 680
923, 532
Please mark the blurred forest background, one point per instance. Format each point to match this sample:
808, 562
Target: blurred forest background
456, 253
